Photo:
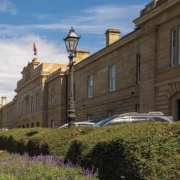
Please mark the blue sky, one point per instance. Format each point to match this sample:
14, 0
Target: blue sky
22, 20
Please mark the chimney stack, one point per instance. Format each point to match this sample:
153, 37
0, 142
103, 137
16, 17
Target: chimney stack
3, 101
112, 35
80, 55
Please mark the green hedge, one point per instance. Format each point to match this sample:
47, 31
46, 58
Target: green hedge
142, 151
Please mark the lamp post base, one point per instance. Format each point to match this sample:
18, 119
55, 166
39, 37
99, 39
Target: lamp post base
71, 118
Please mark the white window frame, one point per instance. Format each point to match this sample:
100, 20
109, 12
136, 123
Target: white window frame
138, 68
173, 47
112, 78
90, 86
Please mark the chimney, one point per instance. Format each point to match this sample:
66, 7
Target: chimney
112, 35
80, 55
3, 101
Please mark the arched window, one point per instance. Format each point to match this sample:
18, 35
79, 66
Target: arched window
53, 97
52, 124
37, 124
32, 124
27, 125
19, 126
23, 126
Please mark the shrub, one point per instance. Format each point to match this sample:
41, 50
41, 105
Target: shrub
142, 151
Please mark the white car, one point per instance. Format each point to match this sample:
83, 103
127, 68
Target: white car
80, 124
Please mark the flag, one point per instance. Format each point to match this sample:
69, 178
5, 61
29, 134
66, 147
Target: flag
34, 49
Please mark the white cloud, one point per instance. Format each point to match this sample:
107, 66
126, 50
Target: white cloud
7, 6
16, 45
15, 54
95, 20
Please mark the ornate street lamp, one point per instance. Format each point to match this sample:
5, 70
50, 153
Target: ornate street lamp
71, 42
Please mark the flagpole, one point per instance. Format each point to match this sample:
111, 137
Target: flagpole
38, 49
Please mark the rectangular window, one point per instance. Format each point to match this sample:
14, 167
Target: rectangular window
179, 47
27, 106
19, 109
138, 65
112, 78
89, 117
52, 97
23, 109
90, 86
173, 47
32, 104
137, 108
37, 102
111, 113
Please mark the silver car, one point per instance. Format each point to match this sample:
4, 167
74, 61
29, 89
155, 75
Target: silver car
135, 118
80, 124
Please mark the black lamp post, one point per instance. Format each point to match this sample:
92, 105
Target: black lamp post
71, 42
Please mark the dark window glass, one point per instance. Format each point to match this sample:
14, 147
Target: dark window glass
159, 119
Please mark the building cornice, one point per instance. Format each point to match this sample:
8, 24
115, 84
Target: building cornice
155, 12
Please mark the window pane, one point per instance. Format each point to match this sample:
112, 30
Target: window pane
112, 78
159, 119
173, 47
121, 120
90, 86
179, 48
138, 69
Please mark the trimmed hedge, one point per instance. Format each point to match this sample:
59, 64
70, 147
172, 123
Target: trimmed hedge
142, 151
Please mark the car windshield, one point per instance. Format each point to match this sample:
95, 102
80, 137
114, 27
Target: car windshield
103, 122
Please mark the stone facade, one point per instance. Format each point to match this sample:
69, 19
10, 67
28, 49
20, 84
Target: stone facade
138, 72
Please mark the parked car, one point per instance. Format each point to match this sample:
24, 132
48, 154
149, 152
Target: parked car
135, 118
80, 124
4, 129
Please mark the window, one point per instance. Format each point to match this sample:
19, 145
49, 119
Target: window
111, 113
112, 78
27, 106
52, 124
37, 102
159, 119
37, 124
90, 86
23, 108
90, 117
118, 120
138, 69
137, 108
173, 47
179, 47
32, 125
19, 109
52, 97
32, 104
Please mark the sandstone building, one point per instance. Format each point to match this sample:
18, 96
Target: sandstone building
138, 72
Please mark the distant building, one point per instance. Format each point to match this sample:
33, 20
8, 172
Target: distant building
139, 72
